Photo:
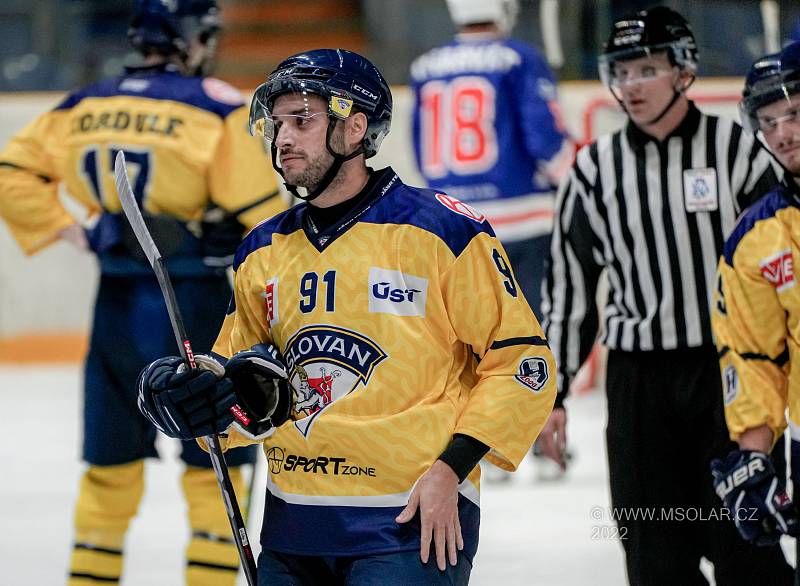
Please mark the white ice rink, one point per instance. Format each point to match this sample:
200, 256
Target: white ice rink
531, 532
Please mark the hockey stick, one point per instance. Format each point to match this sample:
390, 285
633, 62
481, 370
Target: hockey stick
551, 33
771, 17
136, 220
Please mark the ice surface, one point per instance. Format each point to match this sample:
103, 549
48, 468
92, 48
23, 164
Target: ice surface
532, 532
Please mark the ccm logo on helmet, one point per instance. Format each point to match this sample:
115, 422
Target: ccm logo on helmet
365, 91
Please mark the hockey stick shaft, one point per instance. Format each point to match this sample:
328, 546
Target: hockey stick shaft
551, 33
771, 18
134, 215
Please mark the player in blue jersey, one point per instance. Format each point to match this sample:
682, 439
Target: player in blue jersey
407, 341
487, 130
201, 181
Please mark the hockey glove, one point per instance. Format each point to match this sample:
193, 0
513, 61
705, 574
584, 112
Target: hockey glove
186, 403
263, 394
746, 482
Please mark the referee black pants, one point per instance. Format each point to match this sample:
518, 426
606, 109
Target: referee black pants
665, 424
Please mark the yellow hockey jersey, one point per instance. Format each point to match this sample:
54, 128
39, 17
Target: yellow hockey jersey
401, 325
188, 152
756, 316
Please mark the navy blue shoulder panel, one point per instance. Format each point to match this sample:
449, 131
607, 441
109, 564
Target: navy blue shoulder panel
763, 209
286, 222
161, 85
452, 221
526, 50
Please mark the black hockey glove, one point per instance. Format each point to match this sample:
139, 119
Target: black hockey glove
746, 482
262, 390
186, 403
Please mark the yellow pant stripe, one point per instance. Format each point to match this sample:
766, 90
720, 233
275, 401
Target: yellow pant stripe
84, 579
212, 559
215, 538
92, 547
207, 566
91, 563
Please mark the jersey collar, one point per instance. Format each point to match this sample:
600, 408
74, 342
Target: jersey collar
379, 183
791, 189
686, 129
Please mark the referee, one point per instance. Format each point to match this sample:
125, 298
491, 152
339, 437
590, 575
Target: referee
651, 205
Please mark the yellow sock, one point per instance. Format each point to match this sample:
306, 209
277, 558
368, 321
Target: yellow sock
108, 499
211, 558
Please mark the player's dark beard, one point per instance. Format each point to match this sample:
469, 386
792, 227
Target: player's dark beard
311, 177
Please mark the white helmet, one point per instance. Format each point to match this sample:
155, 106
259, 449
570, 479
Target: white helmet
501, 12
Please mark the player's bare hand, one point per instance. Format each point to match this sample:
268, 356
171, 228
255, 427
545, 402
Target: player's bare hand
75, 235
436, 497
553, 438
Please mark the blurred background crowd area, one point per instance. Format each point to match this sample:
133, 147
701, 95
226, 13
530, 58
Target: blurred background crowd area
62, 44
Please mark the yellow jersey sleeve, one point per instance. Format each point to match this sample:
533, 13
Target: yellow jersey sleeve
29, 180
750, 325
243, 173
514, 389
243, 327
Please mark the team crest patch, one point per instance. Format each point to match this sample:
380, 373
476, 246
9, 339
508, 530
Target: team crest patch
325, 363
700, 190
533, 373
778, 269
460, 208
341, 107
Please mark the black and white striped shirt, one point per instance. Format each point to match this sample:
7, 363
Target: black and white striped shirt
654, 215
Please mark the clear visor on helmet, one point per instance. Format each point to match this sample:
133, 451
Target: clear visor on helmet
265, 123
635, 65
770, 105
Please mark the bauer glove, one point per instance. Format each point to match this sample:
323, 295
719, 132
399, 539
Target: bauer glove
746, 482
186, 403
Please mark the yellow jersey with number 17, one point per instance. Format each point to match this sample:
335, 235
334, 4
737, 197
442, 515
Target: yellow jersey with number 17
186, 144
401, 325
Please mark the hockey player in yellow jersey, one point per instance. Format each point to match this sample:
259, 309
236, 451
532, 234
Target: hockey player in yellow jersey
200, 179
409, 349
757, 315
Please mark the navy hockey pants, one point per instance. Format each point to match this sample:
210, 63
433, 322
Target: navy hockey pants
389, 569
131, 329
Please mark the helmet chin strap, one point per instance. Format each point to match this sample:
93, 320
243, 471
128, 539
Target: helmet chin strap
330, 174
675, 95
